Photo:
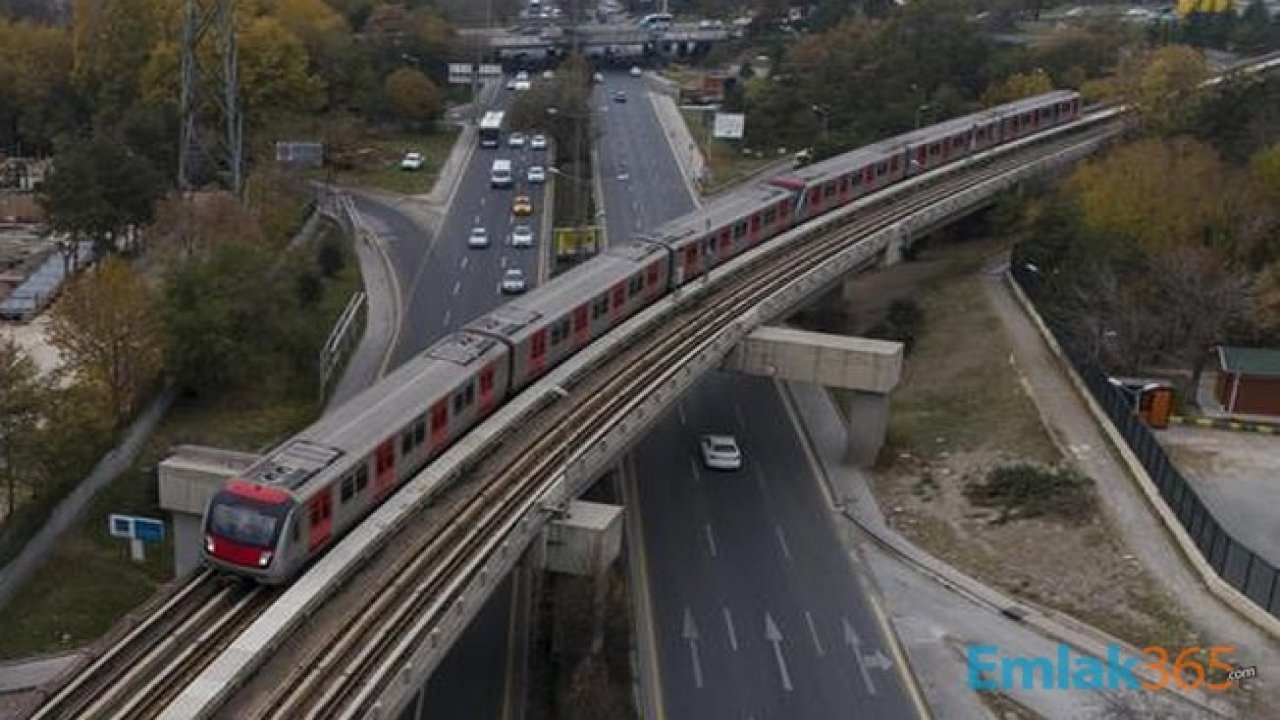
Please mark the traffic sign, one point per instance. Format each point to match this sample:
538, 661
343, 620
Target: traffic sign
136, 530
490, 70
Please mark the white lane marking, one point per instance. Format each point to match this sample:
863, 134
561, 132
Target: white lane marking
691, 635
813, 632
728, 626
774, 636
711, 539
448, 315
693, 465
683, 421
465, 260
481, 201
457, 285
855, 645
782, 541
737, 413
502, 262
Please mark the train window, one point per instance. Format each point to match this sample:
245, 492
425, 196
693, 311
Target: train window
957, 142
893, 163
771, 215
386, 457
469, 395
599, 307
934, 149
420, 430
815, 195
982, 133
739, 230
486, 379
709, 245
348, 487
882, 168
636, 285
406, 442
844, 183
619, 296
457, 404
362, 477
439, 418
651, 275
539, 344
555, 334
784, 207
829, 190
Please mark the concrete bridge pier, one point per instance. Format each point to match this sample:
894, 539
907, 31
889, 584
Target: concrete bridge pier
866, 370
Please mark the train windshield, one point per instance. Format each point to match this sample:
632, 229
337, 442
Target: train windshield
246, 522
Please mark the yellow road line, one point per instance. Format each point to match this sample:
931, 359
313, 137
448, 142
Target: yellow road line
654, 676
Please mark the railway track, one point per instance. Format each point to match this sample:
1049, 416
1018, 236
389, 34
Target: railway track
139, 673
344, 679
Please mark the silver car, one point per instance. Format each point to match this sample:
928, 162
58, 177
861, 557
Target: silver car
522, 236
513, 281
516, 140
478, 238
536, 175
538, 142
720, 452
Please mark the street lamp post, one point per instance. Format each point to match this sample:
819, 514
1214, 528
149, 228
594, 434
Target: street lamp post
825, 114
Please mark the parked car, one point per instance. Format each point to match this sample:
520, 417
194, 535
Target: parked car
513, 281
521, 236
537, 175
412, 161
538, 142
721, 452
522, 206
478, 238
516, 140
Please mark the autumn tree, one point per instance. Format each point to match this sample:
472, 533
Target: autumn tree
35, 85
22, 393
1162, 87
106, 327
1265, 171
416, 99
275, 76
1018, 86
99, 188
112, 40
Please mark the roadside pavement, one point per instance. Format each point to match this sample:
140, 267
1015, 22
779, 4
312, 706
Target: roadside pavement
688, 156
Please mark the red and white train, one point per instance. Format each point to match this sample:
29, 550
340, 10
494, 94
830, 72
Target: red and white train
294, 503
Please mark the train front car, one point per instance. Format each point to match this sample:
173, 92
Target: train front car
243, 531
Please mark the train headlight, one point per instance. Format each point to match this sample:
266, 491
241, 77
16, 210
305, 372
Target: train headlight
264, 559
208, 543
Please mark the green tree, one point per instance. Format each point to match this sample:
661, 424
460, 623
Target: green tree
1265, 170
106, 328
36, 102
99, 188
416, 99
113, 39
22, 394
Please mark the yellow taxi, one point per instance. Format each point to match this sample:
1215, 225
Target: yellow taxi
522, 206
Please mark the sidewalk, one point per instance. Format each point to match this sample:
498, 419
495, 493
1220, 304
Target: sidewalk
683, 147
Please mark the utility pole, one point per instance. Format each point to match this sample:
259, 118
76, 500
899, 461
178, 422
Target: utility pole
211, 144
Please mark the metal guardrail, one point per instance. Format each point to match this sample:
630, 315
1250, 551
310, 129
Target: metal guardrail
1254, 576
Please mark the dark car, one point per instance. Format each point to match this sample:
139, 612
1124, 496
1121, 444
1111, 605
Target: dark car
619, 96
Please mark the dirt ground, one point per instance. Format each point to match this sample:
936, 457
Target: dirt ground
960, 411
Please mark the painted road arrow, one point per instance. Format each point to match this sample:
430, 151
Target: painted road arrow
691, 635
774, 636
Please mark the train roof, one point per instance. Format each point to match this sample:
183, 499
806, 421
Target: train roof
394, 402
717, 213
874, 152
555, 297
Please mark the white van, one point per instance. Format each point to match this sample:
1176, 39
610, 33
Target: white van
500, 175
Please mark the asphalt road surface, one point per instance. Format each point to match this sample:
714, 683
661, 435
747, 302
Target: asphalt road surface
758, 611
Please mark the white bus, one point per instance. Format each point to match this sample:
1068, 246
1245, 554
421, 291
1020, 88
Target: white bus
500, 176
491, 129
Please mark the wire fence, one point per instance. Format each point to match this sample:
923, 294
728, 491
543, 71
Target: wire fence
1243, 568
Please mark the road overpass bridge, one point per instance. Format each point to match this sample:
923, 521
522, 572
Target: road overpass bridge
596, 41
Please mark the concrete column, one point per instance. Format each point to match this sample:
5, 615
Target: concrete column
893, 251
868, 414
186, 542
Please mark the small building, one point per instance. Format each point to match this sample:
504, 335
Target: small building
1248, 380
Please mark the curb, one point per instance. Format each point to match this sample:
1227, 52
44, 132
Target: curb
1228, 595
1225, 424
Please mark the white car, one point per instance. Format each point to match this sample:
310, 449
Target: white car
548, 75
538, 142
511, 84
720, 452
635, 71
478, 238
412, 161
516, 140
537, 175
522, 236
513, 281
598, 77
522, 75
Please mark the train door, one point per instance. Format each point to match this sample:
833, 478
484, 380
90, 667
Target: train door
617, 302
581, 326
652, 277
689, 262
320, 510
486, 388
538, 353
439, 424
754, 231
384, 471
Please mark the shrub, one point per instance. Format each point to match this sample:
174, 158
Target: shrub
1028, 491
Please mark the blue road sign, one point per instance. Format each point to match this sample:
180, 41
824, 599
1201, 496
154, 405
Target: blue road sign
136, 528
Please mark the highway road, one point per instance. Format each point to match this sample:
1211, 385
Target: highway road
756, 604
641, 183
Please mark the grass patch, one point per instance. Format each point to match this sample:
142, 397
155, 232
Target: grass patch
374, 162
958, 390
1023, 490
724, 158
89, 582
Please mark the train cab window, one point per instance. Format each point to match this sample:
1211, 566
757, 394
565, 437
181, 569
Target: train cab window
386, 457
420, 428
406, 442
362, 477
439, 418
348, 487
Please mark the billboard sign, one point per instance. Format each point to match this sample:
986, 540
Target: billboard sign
729, 126
460, 73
